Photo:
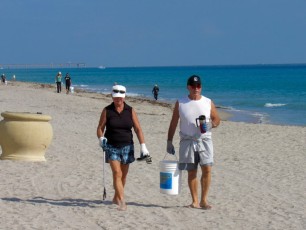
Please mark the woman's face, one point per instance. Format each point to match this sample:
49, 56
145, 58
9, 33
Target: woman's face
118, 101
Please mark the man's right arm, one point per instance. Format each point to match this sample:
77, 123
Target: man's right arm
174, 122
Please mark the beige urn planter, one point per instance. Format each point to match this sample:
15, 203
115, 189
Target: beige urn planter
25, 136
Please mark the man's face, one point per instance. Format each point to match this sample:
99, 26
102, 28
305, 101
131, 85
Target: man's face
194, 89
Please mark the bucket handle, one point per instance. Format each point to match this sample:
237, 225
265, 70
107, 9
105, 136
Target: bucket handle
170, 154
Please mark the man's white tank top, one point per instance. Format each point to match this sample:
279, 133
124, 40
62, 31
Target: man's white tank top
189, 110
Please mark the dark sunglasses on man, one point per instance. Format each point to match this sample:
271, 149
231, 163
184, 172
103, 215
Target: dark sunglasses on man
195, 86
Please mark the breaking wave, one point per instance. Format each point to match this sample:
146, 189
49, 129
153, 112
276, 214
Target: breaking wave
274, 105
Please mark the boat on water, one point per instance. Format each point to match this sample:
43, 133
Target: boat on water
101, 67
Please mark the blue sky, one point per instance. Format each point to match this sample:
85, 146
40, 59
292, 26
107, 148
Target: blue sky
153, 32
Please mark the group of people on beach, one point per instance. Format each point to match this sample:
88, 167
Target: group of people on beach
197, 115
58, 81
4, 80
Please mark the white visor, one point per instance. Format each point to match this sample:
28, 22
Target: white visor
118, 91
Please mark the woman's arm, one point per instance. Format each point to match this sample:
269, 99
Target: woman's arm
102, 124
137, 128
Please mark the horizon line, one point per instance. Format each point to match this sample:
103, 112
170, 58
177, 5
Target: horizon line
83, 65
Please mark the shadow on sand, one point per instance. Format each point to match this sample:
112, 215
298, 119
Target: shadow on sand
75, 202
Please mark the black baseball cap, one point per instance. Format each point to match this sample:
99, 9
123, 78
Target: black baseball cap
194, 80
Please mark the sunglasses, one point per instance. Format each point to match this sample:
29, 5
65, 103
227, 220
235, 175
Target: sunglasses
197, 86
118, 91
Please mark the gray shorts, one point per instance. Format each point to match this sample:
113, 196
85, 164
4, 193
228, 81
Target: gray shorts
202, 158
193, 166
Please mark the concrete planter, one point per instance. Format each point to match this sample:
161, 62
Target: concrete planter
25, 136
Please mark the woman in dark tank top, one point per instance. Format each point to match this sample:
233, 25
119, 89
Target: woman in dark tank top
116, 138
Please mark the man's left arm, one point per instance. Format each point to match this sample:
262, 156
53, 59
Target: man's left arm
215, 119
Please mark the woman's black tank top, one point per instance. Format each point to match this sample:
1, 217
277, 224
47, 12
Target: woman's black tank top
119, 126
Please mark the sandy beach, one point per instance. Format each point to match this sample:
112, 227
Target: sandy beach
258, 181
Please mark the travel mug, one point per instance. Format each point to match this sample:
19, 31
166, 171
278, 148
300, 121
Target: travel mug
201, 122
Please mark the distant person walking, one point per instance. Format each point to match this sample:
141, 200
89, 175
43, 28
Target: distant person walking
3, 78
58, 81
67, 82
155, 91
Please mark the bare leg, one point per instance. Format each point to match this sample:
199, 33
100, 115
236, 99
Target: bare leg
205, 184
120, 172
193, 186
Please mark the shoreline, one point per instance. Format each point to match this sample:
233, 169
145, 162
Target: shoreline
224, 115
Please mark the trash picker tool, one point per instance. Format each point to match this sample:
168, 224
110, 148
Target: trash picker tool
104, 190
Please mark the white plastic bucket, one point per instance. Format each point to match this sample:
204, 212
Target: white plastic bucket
170, 177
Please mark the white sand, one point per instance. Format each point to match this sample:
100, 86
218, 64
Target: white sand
258, 179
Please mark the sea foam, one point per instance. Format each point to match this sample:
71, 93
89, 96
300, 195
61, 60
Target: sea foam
274, 104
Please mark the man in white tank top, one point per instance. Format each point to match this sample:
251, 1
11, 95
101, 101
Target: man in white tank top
197, 115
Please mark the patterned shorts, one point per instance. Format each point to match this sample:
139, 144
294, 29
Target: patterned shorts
125, 155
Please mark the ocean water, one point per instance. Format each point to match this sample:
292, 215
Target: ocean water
274, 94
